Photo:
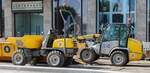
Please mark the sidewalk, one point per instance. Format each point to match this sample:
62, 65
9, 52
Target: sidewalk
142, 66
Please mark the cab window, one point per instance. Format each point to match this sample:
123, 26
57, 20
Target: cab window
123, 36
116, 33
111, 33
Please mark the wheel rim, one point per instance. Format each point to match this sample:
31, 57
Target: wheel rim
86, 55
18, 58
118, 59
54, 60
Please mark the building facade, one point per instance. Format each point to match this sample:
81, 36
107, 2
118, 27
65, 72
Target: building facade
39, 16
1, 20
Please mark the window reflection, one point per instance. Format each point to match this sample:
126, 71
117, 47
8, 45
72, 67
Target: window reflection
117, 5
117, 18
132, 4
72, 6
104, 5
116, 12
2, 18
132, 24
104, 21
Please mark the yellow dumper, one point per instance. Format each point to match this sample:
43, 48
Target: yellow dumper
9, 46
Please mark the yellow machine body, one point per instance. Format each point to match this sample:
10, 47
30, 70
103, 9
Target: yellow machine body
27, 41
8, 47
31, 41
60, 43
6, 50
135, 50
89, 36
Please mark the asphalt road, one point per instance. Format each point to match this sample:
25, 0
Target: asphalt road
9, 68
102, 66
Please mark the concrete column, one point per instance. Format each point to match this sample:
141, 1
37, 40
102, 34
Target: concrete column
141, 20
47, 16
8, 15
89, 16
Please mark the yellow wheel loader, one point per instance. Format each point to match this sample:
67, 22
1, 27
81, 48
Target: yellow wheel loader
115, 44
57, 49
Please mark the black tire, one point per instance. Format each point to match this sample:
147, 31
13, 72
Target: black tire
55, 59
19, 58
119, 58
88, 55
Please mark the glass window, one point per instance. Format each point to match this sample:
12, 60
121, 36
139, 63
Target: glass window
148, 19
117, 18
69, 22
116, 12
1, 18
111, 33
132, 23
28, 23
72, 6
104, 5
117, 5
132, 4
123, 36
116, 32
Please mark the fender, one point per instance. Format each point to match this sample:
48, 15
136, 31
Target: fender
96, 48
119, 48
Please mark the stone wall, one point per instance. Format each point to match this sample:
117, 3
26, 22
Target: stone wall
47, 16
89, 16
141, 20
8, 15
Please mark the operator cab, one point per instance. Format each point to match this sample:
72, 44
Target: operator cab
116, 32
115, 35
